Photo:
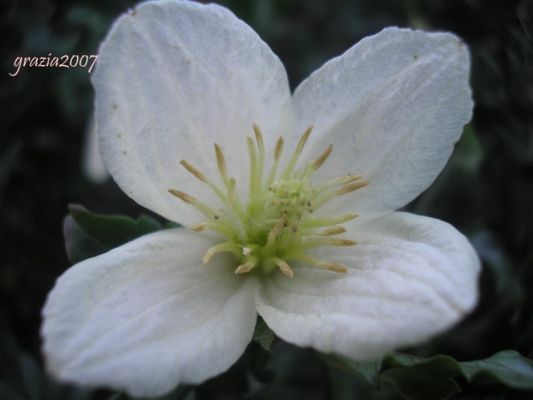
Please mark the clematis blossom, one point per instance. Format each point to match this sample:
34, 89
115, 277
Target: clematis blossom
287, 200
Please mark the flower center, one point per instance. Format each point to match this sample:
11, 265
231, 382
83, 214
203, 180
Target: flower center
277, 224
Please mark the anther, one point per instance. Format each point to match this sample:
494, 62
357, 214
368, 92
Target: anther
225, 247
276, 230
221, 162
322, 222
351, 187
338, 181
337, 230
283, 267
324, 265
277, 154
297, 151
199, 227
321, 160
302, 141
203, 208
244, 268
194, 171
260, 152
254, 178
341, 242
181, 195
278, 149
259, 139
310, 243
333, 267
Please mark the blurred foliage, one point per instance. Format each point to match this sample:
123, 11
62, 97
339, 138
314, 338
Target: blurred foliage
486, 190
88, 235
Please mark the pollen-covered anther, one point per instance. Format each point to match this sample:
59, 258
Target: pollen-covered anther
310, 243
333, 267
249, 264
244, 268
277, 229
283, 267
189, 167
330, 266
181, 195
341, 242
225, 247
352, 187
336, 230
199, 227
221, 161
202, 207
310, 223
322, 159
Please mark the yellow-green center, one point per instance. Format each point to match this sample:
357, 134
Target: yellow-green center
277, 224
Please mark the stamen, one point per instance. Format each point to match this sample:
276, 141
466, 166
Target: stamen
335, 267
276, 230
277, 154
315, 165
226, 247
351, 187
251, 263
221, 162
203, 208
322, 222
189, 167
253, 168
194, 171
294, 158
322, 158
332, 231
261, 153
233, 199
278, 149
283, 267
358, 184
337, 182
310, 243
244, 268
341, 242
199, 227
231, 187
221, 227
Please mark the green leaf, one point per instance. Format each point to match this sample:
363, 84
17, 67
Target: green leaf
507, 367
420, 378
264, 335
368, 370
436, 377
88, 235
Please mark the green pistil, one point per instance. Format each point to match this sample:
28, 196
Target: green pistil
276, 225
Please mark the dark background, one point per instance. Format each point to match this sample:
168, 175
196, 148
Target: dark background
485, 191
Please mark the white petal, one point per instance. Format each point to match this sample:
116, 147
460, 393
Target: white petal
392, 106
409, 278
148, 315
173, 78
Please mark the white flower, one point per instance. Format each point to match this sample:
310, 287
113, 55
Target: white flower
176, 77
